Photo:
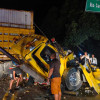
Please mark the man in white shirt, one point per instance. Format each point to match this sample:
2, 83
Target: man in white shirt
86, 57
93, 60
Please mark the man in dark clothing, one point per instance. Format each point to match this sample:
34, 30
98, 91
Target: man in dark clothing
54, 74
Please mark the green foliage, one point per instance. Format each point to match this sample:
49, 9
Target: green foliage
87, 26
70, 25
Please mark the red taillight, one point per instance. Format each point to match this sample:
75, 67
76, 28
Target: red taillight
53, 39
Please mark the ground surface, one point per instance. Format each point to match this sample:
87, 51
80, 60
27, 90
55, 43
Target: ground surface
36, 92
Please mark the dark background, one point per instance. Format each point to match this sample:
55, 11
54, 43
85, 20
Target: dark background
39, 7
41, 10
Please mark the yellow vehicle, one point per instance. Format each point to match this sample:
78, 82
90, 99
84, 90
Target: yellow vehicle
19, 42
35, 51
14, 24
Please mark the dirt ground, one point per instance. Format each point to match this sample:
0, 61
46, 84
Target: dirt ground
37, 92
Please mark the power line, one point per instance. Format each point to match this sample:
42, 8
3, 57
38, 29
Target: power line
40, 30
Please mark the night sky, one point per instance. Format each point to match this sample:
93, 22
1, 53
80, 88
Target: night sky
39, 7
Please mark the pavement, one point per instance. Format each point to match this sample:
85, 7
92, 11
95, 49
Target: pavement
37, 92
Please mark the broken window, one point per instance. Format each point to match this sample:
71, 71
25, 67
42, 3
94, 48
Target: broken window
45, 54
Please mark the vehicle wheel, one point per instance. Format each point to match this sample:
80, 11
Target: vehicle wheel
73, 79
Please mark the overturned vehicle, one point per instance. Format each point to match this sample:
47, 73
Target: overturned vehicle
34, 57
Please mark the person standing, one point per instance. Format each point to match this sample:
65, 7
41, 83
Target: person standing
93, 60
54, 74
85, 59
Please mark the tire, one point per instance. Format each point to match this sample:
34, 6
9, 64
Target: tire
73, 79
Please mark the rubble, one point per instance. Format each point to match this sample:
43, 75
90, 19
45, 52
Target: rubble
38, 92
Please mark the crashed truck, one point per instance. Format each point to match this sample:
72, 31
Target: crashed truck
32, 51
35, 51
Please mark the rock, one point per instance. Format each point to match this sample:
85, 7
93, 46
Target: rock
19, 97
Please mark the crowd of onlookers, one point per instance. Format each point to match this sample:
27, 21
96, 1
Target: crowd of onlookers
89, 60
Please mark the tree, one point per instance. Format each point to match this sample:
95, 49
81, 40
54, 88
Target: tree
70, 25
87, 26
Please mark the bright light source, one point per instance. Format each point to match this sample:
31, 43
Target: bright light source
31, 48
